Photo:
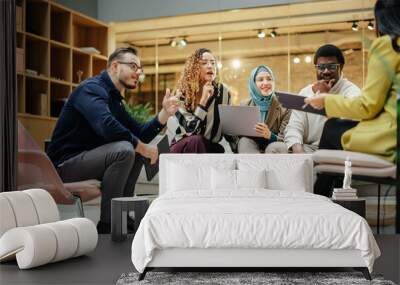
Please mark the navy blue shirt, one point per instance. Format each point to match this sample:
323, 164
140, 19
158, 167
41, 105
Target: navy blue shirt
94, 115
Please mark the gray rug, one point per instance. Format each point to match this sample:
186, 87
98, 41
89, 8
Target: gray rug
242, 278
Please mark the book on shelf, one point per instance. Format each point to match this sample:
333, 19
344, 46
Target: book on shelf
344, 198
342, 190
90, 50
345, 194
20, 60
39, 105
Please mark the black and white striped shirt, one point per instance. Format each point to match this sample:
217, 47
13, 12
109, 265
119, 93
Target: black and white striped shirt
204, 121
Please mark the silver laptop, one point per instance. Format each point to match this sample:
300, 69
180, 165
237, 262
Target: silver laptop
239, 120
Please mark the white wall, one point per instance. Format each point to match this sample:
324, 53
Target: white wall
87, 7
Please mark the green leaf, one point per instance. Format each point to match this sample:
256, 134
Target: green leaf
141, 113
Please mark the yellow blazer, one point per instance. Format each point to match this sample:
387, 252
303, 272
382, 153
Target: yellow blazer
376, 107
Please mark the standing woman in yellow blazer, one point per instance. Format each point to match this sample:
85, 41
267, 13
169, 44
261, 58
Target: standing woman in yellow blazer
375, 133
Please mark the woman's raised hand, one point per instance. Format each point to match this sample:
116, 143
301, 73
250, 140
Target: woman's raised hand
208, 90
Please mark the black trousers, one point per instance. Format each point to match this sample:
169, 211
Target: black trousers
116, 164
331, 139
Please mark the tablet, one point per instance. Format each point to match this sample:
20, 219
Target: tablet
239, 120
163, 147
296, 102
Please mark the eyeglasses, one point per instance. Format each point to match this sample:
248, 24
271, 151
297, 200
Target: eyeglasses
133, 66
330, 66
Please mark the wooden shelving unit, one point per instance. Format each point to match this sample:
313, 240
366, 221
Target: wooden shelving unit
50, 37
81, 63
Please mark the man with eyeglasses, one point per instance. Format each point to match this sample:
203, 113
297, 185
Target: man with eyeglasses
304, 130
95, 138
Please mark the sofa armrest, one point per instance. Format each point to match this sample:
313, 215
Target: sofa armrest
338, 157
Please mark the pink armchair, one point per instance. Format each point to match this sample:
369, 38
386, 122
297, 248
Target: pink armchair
35, 170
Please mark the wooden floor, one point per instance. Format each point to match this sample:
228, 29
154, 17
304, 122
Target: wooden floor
106, 264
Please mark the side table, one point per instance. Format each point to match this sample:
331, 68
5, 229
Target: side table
120, 208
356, 205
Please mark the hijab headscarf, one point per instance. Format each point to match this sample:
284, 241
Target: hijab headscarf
264, 102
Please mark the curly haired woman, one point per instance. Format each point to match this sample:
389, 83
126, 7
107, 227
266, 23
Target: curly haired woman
196, 126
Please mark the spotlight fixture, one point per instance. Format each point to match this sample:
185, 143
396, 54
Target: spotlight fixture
354, 27
182, 43
219, 65
172, 43
273, 33
178, 42
348, 51
370, 25
261, 34
296, 60
307, 59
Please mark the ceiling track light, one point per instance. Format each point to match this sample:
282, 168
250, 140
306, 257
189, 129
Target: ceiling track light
178, 42
354, 27
370, 25
273, 33
172, 43
261, 34
182, 43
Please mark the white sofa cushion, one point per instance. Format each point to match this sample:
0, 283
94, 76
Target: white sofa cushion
87, 235
7, 217
40, 244
45, 206
31, 233
67, 238
23, 208
27, 208
31, 246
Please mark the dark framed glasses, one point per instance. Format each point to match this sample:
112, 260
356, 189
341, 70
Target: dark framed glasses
133, 66
330, 66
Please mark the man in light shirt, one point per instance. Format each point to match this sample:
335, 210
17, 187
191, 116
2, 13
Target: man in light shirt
304, 130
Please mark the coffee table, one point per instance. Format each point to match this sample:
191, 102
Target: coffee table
120, 208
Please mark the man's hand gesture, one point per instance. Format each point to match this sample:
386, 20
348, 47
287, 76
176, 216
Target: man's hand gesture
170, 105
